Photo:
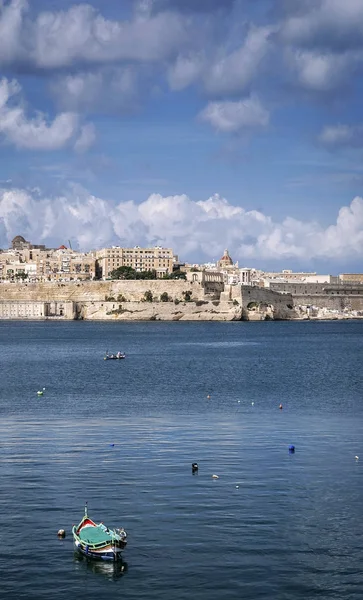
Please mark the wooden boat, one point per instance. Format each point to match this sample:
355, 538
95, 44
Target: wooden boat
98, 541
118, 356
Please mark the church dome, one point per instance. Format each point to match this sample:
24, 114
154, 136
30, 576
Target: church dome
226, 259
18, 239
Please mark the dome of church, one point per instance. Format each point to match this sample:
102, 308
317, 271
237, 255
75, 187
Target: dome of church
18, 239
226, 259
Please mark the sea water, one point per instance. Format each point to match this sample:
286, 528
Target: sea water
122, 435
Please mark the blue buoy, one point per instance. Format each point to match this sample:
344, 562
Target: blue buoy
291, 449
112, 445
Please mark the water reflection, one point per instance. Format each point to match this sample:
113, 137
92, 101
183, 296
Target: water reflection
110, 570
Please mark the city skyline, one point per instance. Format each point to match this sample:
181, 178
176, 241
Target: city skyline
193, 125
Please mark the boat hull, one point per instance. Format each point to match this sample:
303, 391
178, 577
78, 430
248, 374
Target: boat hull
108, 553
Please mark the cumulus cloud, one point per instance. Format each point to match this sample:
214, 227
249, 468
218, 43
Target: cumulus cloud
86, 138
232, 72
37, 133
192, 228
223, 72
326, 24
320, 72
231, 117
81, 35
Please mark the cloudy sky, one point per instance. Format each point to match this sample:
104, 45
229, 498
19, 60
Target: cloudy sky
196, 124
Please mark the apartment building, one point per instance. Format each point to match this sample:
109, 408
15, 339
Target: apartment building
35, 264
141, 259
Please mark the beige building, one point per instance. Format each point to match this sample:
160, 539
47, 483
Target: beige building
35, 264
141, 259
351, 278
65, 264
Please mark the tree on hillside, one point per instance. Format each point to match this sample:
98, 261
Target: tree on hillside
123, 273
130, 273
176, 275
148, 297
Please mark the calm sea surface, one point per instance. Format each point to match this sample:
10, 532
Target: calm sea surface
274, 526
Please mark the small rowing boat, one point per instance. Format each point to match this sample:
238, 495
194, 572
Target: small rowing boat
98, 541
118, 356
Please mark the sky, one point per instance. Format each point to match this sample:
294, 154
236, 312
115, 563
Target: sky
193, 124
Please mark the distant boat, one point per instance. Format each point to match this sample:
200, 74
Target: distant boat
98, 541
118, 356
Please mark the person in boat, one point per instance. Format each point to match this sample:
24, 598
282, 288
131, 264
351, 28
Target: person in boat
118, 354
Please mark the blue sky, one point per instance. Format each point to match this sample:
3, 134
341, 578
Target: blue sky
196, 124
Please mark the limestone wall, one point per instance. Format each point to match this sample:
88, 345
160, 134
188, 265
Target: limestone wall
96, 291
338, 302
259, 303
160, 311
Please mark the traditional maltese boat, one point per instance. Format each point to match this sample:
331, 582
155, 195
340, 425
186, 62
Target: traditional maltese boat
98, 541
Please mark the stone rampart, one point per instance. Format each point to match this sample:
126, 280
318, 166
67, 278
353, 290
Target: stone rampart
258, 303
160, 311
338, 302
96, 291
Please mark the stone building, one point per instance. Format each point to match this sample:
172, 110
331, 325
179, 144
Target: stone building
158, 259
20, 243
351, 277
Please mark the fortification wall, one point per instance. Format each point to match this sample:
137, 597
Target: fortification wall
97, 291
338, 302
259, 303
160, 311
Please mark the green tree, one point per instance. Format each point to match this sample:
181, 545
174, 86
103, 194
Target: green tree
148, 297
164, 297
176, 275
123, 273
187, 296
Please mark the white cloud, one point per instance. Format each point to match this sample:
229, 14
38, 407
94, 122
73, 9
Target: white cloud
35, 133
114, 89
230, 117
11, 22
86, 138
222, 72
232, 72
192, 228
321, 72
338, 136
82, 35
329, 24
185, 71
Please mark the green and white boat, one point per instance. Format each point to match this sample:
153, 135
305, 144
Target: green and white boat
98, 541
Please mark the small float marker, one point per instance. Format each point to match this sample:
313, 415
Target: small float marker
208, 397
356, 457
215, 476
252, 403
237, 487
61, 533
291, 449
112, 445
195, 467
280, 407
